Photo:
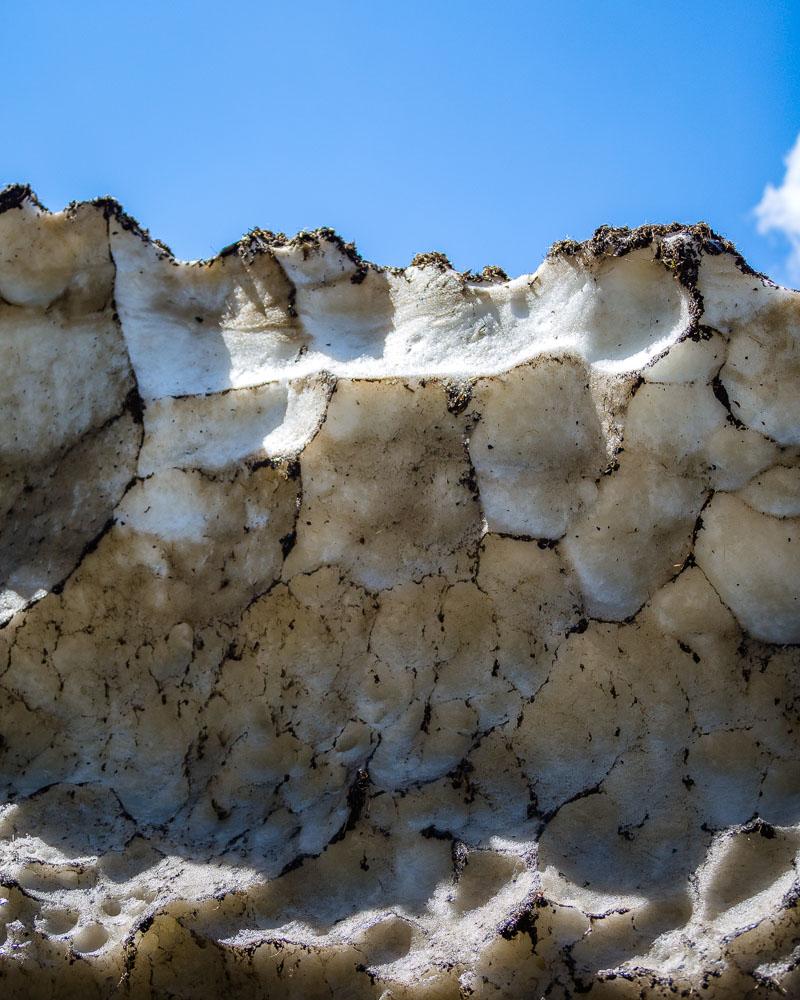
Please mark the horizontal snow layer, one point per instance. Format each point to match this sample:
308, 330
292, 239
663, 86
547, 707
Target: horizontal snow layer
234, 322
272, 311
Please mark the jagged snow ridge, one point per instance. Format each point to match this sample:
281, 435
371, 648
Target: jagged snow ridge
244, 319
395, 633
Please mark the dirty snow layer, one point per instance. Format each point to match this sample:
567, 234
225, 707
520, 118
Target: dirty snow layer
395, 634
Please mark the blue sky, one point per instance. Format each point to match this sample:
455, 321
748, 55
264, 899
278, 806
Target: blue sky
483, 130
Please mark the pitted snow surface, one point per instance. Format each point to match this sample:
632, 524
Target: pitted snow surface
395, 634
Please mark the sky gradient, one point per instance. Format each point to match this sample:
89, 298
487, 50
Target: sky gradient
484, 131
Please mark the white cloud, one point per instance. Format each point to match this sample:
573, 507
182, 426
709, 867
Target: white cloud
779, 209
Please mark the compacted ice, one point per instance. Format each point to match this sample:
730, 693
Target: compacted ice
379, 633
